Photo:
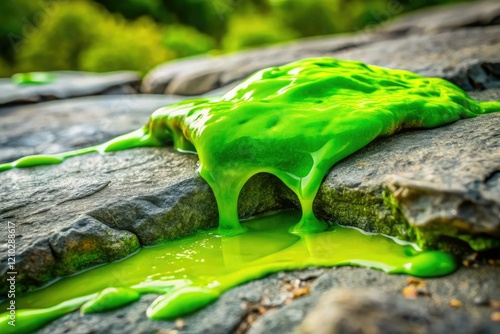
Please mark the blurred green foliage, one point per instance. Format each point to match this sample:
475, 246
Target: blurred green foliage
245, 31
16, 22
4, 68
85, 36
106, 35
186, 41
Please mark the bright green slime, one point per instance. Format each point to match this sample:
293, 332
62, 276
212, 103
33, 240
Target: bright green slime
33, 78
295, 122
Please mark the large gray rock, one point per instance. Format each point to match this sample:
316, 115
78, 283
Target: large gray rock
358, 298
443, 18
198, 75
71, 124
94, 209
467, 57
345, 311
70, 84
423, 185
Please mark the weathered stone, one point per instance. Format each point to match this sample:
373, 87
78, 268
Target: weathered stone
195, 81
427, 314
471, 59
443, 18
285, 315
371, 311
106, 205
70, 84
198, 75
424, 185
467, 57
71, 124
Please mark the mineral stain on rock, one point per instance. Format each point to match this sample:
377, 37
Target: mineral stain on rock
295, 122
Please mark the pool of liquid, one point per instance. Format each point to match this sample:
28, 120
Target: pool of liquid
193, 272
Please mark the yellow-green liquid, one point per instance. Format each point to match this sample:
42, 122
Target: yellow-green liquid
295, 122
192, 272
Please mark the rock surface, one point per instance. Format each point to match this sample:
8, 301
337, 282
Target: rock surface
445, 18
93, 209
110, 205
467, 57
71, 124
198, 75
268, 306
471, 60
430, 184
70, 84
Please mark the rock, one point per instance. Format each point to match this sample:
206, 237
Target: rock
195, 81
444, 18
372, 311
106, 205
71, 124
429, 314
69, 84
427, 185
471, 59
145, 196
348, 297
198, 75
467, 57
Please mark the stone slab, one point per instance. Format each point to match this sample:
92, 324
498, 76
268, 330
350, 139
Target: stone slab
70, 84
98, 208
71, 124
94, 209
467, 57
444, 18
201, 74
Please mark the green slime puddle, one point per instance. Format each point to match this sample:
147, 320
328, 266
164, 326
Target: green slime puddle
295, 122
33, 78
193, 272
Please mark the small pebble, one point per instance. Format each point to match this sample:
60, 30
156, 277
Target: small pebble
415, 281
455, 303
180, 324
481, 300
495, 316
301, 292
410, 292
495, 303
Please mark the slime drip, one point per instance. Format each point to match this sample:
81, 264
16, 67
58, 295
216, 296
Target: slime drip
295, 122
193, 272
